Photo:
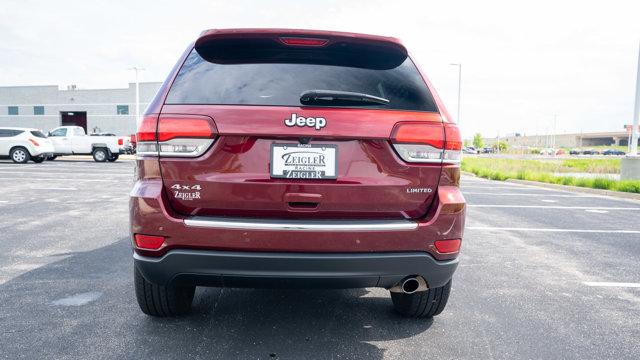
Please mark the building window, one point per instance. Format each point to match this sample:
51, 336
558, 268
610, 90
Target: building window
123, 109
13, 110
38, 110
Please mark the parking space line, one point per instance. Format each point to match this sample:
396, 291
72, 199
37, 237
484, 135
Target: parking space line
528, 194
554, 207
59, 179
515, 187
46, 171
553, 230
611, 284
52, 188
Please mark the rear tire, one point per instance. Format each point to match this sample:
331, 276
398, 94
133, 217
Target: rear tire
38, 159
20, 155
51, 158
162, 301
422, 304
100, 154
114, 157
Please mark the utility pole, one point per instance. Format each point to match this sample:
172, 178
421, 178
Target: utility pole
630, 164
137, 69
636, 114
459, 65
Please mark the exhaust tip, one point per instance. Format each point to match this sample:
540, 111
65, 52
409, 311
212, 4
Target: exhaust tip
410, 286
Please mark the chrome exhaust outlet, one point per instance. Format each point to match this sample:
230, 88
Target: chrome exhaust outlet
410, 284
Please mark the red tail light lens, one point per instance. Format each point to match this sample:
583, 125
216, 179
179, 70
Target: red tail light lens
428, 133
448, 246
147, 135
149, 242
427, 142
148, 128
453, 144
35, 143
299, 41
453, 139
184, 127
120, 142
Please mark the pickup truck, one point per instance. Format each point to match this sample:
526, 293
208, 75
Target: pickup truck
72, 140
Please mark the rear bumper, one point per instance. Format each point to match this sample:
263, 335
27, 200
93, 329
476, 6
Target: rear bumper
150, 214
292, 270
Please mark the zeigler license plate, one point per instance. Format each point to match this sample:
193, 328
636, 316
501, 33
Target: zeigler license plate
303, 161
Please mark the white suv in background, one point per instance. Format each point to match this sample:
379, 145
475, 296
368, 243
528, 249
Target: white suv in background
24, 144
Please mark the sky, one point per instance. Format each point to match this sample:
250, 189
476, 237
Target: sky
524, 63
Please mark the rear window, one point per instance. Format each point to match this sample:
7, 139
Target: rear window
39, 134
10, 132
280, 79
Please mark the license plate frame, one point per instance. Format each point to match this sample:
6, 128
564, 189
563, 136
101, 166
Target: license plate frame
279, 169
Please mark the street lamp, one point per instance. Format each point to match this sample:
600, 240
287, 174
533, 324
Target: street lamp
137, 69
636, 114
459, 65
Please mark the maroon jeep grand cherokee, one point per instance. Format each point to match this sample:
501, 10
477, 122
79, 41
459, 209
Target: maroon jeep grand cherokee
296, 158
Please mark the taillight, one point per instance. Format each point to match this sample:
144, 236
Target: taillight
120, 142
149, 242
35, 143
177, 136
452, 144
432, 143
301, 41
147, 136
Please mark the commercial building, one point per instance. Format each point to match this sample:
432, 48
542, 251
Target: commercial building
96, 110
613, 138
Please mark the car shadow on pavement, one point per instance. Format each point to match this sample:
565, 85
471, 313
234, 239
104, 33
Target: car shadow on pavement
84, 306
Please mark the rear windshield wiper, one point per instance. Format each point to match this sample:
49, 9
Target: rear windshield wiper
335, 96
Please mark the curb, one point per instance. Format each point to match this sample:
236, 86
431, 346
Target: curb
616, 194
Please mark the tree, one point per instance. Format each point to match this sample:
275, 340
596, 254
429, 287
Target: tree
501, 146
478, 143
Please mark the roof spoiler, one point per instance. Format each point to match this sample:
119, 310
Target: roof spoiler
261, 45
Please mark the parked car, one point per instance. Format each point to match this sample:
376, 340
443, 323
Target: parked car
290, 181
72, 140
574, 152
613, 152
488, 150
590, 152
547, 151
24, 144
470, 150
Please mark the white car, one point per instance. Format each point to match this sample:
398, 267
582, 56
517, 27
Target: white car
24, 144
72, 140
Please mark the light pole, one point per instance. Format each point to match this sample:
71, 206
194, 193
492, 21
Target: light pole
636, 114
630, 164
459, 65
137, 69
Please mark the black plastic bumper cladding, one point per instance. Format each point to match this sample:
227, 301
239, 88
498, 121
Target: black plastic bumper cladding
292, 270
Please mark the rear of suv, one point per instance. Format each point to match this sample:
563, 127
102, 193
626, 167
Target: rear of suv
24, 144
292, 159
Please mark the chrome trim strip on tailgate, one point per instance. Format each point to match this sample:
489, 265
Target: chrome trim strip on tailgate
300, 225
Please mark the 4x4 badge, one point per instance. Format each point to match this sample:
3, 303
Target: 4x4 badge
317, 122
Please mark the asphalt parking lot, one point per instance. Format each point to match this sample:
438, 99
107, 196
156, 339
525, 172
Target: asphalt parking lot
544, 274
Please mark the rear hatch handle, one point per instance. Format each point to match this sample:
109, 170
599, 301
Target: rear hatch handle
302, 201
